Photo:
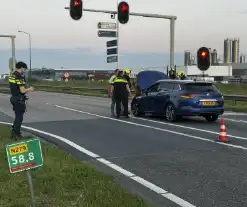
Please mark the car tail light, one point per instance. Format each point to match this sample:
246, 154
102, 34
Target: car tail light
189, 95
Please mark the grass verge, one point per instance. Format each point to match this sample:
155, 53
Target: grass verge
62, 181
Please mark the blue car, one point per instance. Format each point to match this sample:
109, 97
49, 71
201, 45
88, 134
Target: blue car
159, 95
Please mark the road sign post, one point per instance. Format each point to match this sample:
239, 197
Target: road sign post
147, 15
24, 156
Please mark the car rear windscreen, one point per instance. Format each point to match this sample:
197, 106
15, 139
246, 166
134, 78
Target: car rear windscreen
200, 87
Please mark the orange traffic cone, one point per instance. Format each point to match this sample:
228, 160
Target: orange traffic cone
222, 135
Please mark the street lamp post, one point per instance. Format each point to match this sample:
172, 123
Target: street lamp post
30, 51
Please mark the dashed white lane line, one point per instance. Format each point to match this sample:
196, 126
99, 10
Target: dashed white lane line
154, 128
229, 113
238, 121
119, 169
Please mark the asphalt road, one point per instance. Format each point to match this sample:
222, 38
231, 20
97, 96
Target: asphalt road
182, 158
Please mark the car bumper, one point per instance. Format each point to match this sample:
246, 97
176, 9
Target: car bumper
190, 111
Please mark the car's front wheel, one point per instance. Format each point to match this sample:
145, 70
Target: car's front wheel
135, 109
211, 118
170, 114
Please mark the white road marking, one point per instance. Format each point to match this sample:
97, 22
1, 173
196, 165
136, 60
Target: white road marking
181, 126
119, 169
155, 128
234, 120
187, 127
234, 113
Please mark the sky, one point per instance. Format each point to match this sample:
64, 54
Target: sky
199, 23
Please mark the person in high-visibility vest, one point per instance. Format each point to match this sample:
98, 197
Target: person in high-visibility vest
18, 97
120, 91
181, 75
111, 81
172, 74
126, 75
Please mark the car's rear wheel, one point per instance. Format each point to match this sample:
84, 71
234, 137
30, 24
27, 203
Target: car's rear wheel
170, 114
135, 109
211, 118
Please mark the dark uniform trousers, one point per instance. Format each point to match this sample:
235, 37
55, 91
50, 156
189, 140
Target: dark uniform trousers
124, 100
120, 96
19, 107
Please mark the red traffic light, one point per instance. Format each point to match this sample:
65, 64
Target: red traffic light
123, 12
76, 3
124, 8
76, 9
204, 54
203, 58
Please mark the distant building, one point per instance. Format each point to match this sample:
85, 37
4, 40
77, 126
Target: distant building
187, 58
235, 51
227, 51
242, 58
74, 73
240, 69
214, 57
216, 71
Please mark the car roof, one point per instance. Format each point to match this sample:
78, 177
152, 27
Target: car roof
179, 81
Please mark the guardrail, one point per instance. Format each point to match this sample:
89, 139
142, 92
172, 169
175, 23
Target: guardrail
231, 97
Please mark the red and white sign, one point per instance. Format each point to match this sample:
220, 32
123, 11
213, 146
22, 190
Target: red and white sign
66, 79
66, 75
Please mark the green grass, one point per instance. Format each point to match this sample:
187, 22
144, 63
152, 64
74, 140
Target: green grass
63, 181
236, 89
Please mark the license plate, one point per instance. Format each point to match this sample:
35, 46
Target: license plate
18, 149
208, 103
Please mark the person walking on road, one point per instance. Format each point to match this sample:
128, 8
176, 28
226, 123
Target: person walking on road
113, 102
18, 97
120, 91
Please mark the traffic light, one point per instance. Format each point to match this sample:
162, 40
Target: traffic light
203, 58
76, 9
123, 12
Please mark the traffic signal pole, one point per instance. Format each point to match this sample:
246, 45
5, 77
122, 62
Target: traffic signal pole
157, 16
118, 58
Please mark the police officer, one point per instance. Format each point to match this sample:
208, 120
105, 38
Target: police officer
113, 102
120, 91
181, 75
126, 76
172, 74
18, 97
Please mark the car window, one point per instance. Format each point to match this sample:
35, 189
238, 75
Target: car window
200, 87
176, 87
166, 86
153, 88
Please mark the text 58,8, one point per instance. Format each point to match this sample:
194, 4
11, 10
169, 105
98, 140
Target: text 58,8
21, 158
